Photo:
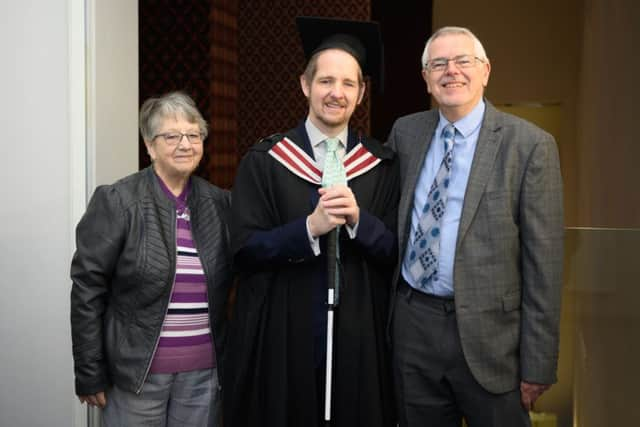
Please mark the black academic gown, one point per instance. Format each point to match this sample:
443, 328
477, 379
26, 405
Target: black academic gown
278, 324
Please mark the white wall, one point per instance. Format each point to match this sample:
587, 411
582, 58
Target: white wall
113, 88
44, 176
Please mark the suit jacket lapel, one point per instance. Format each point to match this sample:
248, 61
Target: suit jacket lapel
352, 139
301, 138
487, 147
419, 141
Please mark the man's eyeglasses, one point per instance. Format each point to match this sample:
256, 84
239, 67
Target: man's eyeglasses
173, 138
462, 61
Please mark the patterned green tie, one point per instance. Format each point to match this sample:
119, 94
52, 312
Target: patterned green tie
333, 172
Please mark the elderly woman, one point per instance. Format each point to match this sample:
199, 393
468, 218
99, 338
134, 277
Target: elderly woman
150, 276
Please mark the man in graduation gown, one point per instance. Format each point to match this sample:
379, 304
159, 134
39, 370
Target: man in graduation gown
275, 375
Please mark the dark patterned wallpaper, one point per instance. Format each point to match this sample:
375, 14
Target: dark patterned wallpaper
240, 60
271, 61
173, 52
223, 90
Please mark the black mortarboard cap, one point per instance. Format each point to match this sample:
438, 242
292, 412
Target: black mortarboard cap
359, 38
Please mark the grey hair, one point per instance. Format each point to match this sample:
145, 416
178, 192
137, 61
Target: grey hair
477, 45
172, 104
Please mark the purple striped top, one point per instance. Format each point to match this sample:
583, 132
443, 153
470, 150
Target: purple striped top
185, 339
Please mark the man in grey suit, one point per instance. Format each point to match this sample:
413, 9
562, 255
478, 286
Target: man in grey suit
476, 307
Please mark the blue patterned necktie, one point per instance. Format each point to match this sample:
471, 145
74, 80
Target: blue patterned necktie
424, 252
333, 172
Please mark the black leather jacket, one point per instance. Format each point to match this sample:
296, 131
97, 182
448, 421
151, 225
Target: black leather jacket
123, 271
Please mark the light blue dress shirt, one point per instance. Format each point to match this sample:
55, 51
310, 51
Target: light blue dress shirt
464, 147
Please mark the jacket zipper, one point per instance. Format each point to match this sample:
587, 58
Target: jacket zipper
166, 311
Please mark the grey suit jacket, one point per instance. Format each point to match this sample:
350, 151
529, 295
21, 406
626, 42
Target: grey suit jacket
508, 261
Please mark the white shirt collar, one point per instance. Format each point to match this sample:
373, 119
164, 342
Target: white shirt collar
466, 125
316, 137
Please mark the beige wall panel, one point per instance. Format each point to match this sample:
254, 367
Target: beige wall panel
609, 152
534, 48
602, 281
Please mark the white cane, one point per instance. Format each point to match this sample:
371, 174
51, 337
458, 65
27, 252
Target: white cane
332, 301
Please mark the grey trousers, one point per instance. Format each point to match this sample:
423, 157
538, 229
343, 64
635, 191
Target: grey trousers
434, 386
185, 399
